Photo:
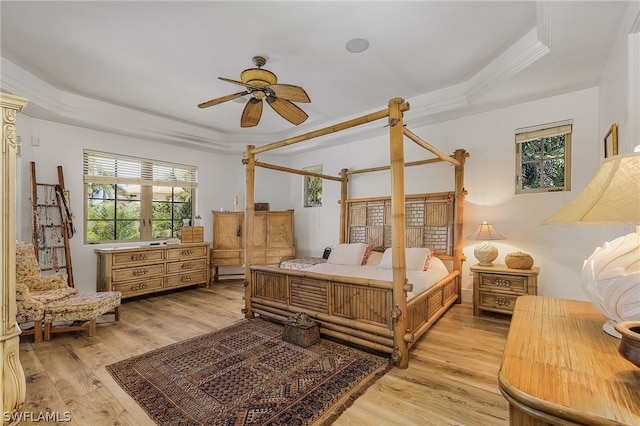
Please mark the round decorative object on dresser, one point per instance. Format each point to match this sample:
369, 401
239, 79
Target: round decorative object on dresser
630, 341
518, 260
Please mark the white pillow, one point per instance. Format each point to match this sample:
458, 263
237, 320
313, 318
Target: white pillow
347, 254
415, 258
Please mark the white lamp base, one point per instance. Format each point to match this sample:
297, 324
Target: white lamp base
611, 280
485, 253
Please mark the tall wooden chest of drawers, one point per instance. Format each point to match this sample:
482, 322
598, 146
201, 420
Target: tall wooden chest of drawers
134, 271
272, 232
496, 288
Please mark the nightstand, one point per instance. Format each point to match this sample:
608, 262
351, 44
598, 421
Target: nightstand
496, 288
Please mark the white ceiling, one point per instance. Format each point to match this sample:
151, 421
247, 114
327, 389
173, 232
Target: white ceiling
83, 62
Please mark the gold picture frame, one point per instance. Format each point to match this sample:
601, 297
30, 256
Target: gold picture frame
611, 141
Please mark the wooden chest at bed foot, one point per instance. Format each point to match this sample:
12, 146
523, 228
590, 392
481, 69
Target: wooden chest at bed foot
303, 335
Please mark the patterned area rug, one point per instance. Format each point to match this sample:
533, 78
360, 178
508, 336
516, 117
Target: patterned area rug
247, 375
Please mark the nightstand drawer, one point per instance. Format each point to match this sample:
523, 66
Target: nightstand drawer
497, 301
516, 284
496, 287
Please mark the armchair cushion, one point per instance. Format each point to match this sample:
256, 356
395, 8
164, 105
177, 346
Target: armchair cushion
28, 309
48, 296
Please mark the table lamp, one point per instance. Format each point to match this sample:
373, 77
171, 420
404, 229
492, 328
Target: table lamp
611, 275
485, 252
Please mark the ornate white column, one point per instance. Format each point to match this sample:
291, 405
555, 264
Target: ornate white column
13, 380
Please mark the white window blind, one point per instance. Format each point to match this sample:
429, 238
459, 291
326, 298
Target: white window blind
543, 131
104, 167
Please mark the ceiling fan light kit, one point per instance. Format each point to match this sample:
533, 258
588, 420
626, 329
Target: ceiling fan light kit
261, 84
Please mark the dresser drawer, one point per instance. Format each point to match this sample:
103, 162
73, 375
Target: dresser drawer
138, 272
497, 301
227, 257
180, 253
133, 288
125, 259
186, 266
196, 277
512, 283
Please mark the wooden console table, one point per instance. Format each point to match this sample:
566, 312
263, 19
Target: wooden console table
560, 368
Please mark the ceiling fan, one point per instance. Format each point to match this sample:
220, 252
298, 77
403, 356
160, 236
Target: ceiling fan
263, 84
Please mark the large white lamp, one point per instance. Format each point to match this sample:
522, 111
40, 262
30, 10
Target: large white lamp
611, 275
485, 252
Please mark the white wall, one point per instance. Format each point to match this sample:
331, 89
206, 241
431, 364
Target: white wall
620, 84
220, 177
489, 179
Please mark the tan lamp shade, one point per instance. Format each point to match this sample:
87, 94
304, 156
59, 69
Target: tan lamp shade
611, 198
485, 252
485, 231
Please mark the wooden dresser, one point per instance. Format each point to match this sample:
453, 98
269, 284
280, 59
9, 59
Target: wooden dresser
560, 368
496, 288
141, 270
273, 234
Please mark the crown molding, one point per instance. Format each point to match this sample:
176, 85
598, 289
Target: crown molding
51, 103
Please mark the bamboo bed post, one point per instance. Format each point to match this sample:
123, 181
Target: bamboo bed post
249, 161
458, 257
400, 354
343, 205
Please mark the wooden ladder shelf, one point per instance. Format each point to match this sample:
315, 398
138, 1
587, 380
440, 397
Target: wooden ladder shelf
52, 224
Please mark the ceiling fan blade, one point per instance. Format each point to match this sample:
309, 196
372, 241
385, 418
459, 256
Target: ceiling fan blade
222, 99
287, 110
290, 92
251, 113
249, 86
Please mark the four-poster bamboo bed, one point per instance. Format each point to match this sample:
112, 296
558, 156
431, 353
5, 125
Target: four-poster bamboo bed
368, 312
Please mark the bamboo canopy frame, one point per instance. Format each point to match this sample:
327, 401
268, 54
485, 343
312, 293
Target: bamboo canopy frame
394, 113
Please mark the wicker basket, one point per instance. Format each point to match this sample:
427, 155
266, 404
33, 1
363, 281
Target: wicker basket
301, 331
518, 260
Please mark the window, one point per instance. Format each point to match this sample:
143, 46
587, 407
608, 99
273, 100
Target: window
313, 187
135, 199
543, 158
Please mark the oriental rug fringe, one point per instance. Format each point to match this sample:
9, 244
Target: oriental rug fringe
247, 375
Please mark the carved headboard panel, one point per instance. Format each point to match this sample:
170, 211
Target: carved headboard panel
429, 220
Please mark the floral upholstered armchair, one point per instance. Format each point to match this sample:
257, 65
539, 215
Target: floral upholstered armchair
34, 290
48, 299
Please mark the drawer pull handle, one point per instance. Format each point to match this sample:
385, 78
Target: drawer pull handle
186, 278
502, 282
502, 302
187, 265
139, 272
139, 286
138, 257
186, 252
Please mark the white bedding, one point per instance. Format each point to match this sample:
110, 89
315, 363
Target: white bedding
421, 280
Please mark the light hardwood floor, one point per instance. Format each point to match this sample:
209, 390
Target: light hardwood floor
452, 377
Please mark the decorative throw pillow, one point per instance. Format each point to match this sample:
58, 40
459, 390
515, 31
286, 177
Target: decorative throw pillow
347, 254
374, 258
428, 259
367, 253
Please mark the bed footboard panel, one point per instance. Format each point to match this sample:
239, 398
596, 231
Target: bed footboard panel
425, 309
354, 312
349, 311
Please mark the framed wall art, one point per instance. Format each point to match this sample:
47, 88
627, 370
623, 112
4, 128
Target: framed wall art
611, 141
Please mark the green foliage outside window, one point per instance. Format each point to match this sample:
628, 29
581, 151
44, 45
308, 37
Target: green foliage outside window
118, 218
543, 158
313, 188
543, 163
135, 199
